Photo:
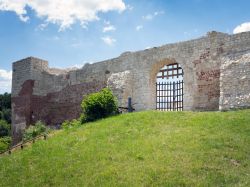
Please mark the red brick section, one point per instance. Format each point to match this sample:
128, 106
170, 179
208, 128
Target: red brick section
209, 86
208, 75
21, 109
208, 81
54, 108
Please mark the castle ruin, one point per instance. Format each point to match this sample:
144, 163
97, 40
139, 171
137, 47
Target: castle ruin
215, 70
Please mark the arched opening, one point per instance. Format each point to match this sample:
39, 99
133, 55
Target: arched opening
169, 88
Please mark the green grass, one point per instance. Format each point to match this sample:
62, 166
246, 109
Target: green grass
139, 149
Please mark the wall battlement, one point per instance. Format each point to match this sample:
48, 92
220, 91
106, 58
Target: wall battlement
211, 65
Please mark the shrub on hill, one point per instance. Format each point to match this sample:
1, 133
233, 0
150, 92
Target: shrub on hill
69, 124
99, 105
5, 138
4, 143
35, 130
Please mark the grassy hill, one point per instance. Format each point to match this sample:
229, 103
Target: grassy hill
139, 149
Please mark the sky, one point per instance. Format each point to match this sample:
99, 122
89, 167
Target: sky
70, 33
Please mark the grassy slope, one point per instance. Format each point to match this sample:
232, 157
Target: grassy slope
146, 148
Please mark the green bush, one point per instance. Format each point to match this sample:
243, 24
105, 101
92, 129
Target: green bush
4, 128
69, 124
82, 119
4, 143
34, 130
99, 105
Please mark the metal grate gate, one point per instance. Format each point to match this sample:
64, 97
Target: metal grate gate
169, 96
169, 88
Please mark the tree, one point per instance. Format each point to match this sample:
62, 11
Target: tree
5, 101
4, 128
5, 107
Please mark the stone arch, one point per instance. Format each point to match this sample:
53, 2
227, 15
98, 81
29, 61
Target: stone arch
156, 67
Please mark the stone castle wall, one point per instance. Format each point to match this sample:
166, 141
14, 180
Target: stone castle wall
235, 81
53, 95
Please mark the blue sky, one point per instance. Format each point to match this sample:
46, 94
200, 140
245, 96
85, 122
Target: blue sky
101, 29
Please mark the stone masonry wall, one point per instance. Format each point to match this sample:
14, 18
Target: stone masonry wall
235, 81
54, 95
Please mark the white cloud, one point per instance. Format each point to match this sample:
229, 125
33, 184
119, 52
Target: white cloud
63, 12
5, 80
108, 28
78, 66
106, 22
129, 7
5, 75
158, 13
244, 27
24, 18
42, 26
139, 27
149, 17
108, 40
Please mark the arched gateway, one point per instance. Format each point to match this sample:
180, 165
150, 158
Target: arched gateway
169, 88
